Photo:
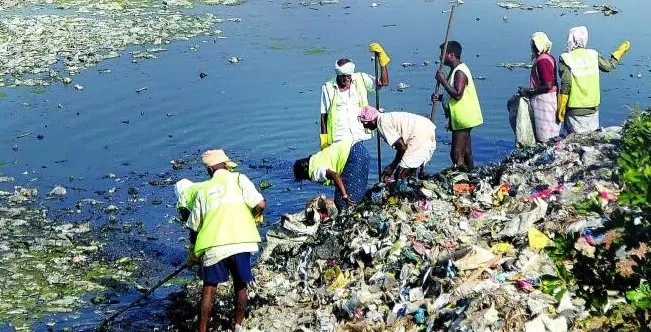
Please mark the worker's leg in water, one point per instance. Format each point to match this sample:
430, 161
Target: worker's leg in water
468, 151
354, 175
459, 145
212, 276
239, 266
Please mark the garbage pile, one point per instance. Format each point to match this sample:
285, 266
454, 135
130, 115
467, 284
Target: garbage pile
512, 246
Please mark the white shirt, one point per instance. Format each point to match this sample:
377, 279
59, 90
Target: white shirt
414, 129
347, 125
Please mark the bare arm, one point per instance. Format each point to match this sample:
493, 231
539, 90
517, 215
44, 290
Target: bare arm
324, 123
257, 210
401, 148
336, 179
384, 80
460, 82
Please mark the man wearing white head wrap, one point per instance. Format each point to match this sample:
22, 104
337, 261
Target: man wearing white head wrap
580, 91
344, 96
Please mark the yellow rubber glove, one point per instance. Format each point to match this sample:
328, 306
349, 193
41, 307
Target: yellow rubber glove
323, 138
381, 54
621, 50
562, 106
259, 219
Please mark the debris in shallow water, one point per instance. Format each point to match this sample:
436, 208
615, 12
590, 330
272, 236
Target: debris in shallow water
264, 184
57, 192
202, 75
402, 86
139, 90
234, 59
177, 164
511, 65
79, 87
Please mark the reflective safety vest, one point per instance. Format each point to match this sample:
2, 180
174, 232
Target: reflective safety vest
334, 158
584, 66
333, 89
188, 196
465, 112
225, 217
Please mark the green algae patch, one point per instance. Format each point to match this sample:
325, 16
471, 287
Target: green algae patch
315, 51
277, 46
38, 91
48, 267
3, 95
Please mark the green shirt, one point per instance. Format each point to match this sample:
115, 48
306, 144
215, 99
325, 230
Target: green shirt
566, 82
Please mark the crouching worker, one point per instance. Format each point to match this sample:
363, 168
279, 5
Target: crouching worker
343, 164
413, 136
223, 220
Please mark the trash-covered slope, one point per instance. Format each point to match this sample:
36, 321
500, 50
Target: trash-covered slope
536, 243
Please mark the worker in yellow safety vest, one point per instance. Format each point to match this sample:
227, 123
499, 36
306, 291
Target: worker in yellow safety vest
580, 94
222, 222
344, 96
462, 109
343, 164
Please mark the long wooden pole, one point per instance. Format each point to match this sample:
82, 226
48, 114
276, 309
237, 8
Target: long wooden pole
377, 106
445, 51
106, 321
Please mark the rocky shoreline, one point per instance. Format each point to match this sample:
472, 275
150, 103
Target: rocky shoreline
544, 241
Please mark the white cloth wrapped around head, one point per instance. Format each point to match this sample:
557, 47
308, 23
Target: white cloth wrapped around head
346, 69
542, 42
578, 37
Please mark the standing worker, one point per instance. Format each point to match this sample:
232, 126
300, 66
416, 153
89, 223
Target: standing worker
543, 86
344, 96
223, 218
413, 136
463, 110
580, 92
343, 164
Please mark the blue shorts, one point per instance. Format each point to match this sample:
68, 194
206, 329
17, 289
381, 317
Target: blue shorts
238, 266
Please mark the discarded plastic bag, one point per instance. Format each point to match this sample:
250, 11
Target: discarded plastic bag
521, 223
521, 119
474, 259
537, 239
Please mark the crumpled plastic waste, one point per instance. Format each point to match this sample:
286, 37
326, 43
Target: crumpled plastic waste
415, 254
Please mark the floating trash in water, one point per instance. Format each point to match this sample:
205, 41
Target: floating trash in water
234, 59
402, 86
139, 90
511, 65
79, 87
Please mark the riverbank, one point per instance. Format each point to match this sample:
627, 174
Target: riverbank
554, 238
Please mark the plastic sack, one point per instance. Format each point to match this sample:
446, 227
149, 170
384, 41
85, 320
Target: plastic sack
521, 119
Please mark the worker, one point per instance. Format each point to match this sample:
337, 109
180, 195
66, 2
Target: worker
186, 193
223, 218
343, 164
580, 93
344, 96
462, 109
411, 135
543, 86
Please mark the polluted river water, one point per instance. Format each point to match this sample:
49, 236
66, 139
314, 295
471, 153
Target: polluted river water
134, 115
